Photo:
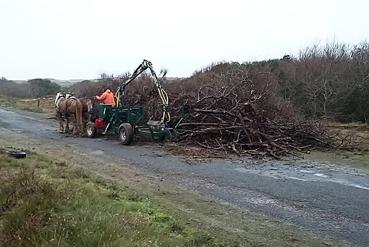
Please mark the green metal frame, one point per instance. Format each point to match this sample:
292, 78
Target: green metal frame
115, 116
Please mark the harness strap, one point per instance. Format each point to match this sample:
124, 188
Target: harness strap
66, 104
58, 101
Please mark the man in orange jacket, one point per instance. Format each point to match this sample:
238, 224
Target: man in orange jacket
107, 97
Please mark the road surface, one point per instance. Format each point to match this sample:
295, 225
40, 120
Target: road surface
327, 199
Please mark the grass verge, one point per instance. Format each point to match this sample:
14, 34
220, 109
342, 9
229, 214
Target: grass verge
46, 202
196, 220
353, 140
44, 105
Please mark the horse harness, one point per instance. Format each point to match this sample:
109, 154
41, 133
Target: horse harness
66, 113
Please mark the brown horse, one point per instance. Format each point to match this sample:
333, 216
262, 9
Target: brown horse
66, 109
90, 108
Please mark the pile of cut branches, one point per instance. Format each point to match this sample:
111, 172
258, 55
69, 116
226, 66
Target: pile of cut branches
233, 108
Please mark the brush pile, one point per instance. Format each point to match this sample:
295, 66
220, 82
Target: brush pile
232, 108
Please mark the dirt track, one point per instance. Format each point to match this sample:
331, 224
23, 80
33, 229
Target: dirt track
323, 198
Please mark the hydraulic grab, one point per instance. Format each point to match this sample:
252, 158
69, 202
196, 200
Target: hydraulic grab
120, 94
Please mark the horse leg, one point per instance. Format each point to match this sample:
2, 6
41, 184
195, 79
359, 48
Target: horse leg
85, 121
83, 127
61, 126
75, 125
66, 129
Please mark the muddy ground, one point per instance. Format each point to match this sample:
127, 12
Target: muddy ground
327, 199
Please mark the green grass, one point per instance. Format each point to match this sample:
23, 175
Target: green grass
45, 202
353, 142
45, 106
355, 158
81, 195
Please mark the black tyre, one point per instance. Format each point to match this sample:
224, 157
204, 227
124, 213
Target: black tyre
17, 154
126, 133
91, 130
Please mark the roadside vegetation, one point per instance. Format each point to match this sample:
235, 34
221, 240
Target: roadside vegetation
352, 140
46, 202
49, 202
41, 105
328, 81
33, 95
35, 88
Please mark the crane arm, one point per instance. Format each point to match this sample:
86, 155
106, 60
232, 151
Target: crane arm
163, 95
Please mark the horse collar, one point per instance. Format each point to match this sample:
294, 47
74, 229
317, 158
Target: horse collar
58, 100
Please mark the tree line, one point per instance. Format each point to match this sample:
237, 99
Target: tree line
34, 88
330, 81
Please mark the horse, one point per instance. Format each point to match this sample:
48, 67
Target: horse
90, 109
67, 107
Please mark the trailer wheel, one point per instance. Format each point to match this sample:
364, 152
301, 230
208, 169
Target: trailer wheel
91, 130
126, 133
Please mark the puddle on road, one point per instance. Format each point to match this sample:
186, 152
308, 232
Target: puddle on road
299, 179
310, 173
97, 152
321, 175
241, 169
306, 171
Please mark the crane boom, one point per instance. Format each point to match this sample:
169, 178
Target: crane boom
162, 93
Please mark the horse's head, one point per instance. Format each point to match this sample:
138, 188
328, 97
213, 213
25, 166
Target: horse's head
90, 105
92, 108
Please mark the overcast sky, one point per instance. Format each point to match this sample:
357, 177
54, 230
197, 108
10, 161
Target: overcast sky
77, 39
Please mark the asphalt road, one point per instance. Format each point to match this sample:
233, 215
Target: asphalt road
327, 199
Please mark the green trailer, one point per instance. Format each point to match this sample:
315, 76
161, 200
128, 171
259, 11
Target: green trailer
126, 123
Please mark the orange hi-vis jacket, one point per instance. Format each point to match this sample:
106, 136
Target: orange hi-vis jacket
107, 97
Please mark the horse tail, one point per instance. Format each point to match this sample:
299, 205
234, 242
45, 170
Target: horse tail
79, 112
